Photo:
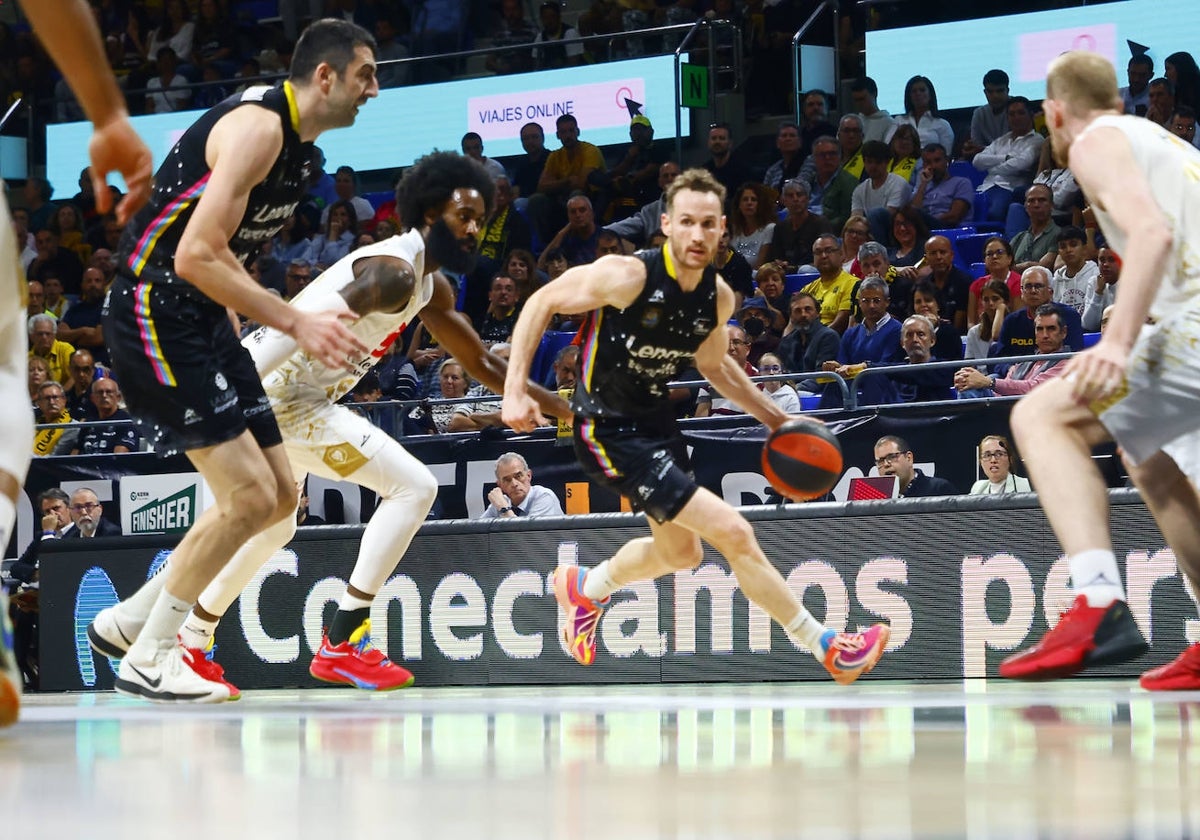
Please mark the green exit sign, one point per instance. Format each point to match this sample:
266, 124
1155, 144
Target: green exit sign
694, 78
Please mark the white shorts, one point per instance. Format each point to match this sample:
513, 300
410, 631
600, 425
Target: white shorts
1161, 399
16, 415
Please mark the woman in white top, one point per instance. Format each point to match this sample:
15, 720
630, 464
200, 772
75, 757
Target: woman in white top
995, 459
753, 221
920, 111
175, 31
780, 391
994, 300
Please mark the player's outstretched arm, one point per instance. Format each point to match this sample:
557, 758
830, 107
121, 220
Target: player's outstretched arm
1099, 372
726, 375
67, 29
456, 334
609, 281
242, 149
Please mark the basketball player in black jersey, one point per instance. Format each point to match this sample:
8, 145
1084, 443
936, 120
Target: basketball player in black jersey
226, 187
651, 313
68, 31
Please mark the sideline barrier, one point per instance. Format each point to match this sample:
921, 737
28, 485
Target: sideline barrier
962, 581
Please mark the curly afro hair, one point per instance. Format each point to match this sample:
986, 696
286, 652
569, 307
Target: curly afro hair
429, 183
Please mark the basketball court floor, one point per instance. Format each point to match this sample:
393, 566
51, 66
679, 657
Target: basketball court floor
1074, 759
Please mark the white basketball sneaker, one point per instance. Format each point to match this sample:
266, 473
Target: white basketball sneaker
167, 678
110, 636
10, 674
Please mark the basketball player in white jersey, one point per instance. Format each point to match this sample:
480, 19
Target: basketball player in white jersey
67, 29
389, 284
1140, 385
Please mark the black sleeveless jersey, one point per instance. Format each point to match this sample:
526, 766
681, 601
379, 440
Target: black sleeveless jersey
629, 355
148, 245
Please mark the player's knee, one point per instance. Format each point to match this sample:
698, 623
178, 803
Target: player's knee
286, 499
423, 487
734, 537
252, 504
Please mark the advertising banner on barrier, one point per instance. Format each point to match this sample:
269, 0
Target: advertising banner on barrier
162, 504
961, 583
726, 457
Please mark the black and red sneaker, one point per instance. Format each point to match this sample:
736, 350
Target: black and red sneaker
1181, 674
1084, 637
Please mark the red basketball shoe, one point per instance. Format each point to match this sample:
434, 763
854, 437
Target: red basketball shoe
850, 655
201, 661
583, 614
1182, 674
1084, 637
359, 663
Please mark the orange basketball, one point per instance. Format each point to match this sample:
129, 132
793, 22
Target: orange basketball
802, 459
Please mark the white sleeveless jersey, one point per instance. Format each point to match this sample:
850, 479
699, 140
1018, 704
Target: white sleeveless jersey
376, 330
1171, 166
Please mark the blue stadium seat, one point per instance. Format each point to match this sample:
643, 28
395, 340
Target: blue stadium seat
966, 170
980, 220
978, 269
543, 360
377, 199
793, 283
1089, 339
969, 249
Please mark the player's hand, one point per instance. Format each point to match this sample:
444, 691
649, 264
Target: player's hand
116, 147
1098, 373
520, 412
325, 337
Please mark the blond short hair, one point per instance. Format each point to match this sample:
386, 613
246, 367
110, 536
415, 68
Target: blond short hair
1083, 82
696, 180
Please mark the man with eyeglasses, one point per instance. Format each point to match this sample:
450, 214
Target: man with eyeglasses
516, 495
708, 401
1038, 244
44, 342
874, 341
835, 285
893, 456
298, 276
88, 515
112, 439
1018, 337
51, 404
830, 186
807, 344
1050, 333
791, 245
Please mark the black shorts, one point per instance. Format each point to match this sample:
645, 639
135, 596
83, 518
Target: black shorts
643, 459
186, 378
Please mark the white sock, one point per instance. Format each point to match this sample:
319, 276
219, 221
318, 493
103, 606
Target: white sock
1094, 574
348, 603
806, 630
136, 608
8, 515
598, 583
161, 628
196, 632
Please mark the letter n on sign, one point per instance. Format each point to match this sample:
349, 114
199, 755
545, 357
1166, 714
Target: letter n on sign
694, 81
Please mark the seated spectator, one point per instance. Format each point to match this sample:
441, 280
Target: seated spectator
53, 258
1183, 123
877, 123
176, 31
564, 372
989, 122
1136, 95
112, 439
752, 223
1162, 101
995, 298
38, 371
850, 145
345, 185
88, 516
1009, 161
1183, 72
67, 224
944, 200
37, 193
873, 259
815, 123
36, 295
787, 167
780, 391
472, 147
503, 231
1104, 293
735, 270
304, 519
792, 240
807, 344
577, 239
1077, 276
708, 401
855, 234
1023, 377
762, 324
995, 461
947, 340
426, 355
1067, 196
910, 381
514, 29
921, 112
905, 148
299, 275
521, 266
558, 45
909, 233
881, 193
52, 408
167, 92
54, 301
214, 47
1038, 245
81, 327
872, 343
79, 396
435, 419
951, 283
476, 416
527, 170
44, 342
608, 243
1017, 335
398, 379
770, 285
830, 187
555, 261
633, 182
564, 174
501, 315
998, 259
292, 241
334, 242
637, 228
515, 494
833, 288
893, 456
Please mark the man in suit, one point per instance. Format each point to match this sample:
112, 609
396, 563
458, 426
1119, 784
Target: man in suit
87, 514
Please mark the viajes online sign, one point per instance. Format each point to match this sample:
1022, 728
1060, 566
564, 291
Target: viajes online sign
961, 582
